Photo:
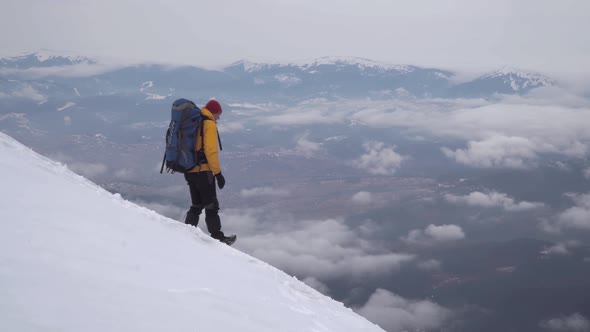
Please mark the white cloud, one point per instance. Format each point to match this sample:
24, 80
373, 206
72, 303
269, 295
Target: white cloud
306, 147
497, 151
149, 125
79, 70
434, 234
168, 210
578, 216
429, 265
264, 191
17, 117
396, 314
88, 169
564, 247
562, 166
379, 160
557, 249
320, 249
444, 233
549, 227
317, 285
67, 120
230, 127
362, 197
28, 92
303, 115
512, 132
493, 199
287, 80
574, 323
126, 174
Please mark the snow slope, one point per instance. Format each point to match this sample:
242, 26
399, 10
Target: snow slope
74, 257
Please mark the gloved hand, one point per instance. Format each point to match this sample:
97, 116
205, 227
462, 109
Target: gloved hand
220, 180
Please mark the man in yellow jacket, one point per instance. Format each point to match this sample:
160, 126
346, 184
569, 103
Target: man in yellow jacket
201, 179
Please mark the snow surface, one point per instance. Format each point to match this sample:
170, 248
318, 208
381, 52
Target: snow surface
74, 257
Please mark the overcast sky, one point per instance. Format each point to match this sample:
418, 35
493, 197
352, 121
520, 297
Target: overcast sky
532, 34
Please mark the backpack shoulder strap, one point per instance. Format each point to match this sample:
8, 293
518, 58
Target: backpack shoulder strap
203, 132
219, 140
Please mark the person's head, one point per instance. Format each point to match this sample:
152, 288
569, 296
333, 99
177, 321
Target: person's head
214, 107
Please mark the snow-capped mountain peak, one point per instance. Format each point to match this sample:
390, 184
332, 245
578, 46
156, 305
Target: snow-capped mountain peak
252, 66
311, 64
361, 63
518, 79
44, 58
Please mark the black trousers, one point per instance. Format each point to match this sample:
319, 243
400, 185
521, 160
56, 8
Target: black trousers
204, 196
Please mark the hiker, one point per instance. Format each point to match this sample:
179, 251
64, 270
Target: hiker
202, 178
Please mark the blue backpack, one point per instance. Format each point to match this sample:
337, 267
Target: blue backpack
181, 155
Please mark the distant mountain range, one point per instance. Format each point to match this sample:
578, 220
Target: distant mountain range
52, 76
43, 59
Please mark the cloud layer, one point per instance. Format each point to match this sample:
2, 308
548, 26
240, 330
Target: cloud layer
434, 234
319, 249
493, 199
307, 148
379, 159
396, 314
430, 32
362, 197
496, 152
573, 323
264, 191
578, 216
512, 132
506, 132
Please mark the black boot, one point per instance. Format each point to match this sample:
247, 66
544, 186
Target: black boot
214, 227
229, 240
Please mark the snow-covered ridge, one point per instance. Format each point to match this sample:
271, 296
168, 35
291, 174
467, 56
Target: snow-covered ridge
74, 257
46, 55
362, 63
306, 65
45, 58
519, 79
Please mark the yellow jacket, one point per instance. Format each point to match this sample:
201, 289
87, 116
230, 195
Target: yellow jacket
210, 146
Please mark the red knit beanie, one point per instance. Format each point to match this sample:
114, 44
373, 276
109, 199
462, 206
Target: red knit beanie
213, 106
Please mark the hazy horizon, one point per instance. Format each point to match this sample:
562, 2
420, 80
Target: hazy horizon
459, 34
